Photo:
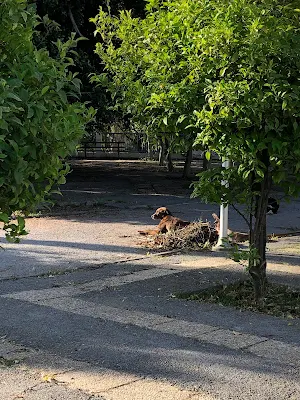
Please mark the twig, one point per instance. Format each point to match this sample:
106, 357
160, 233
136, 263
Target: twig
242, 215
73, 21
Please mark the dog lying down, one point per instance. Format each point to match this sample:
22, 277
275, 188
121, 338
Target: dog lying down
170, 223
167, 222
273, 206
236, 237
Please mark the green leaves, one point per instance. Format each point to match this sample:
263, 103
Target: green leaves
13, 231
4, 217
148, 71
210, 187
38, 126
11, 95
207, 155
227, 81
45, 90
3, 125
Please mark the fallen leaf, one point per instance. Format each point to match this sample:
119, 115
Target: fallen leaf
48, 377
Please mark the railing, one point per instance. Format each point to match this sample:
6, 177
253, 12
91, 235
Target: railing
106, 147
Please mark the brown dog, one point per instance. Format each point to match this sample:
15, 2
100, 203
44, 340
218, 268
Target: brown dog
167, 223
239, 237
236, 237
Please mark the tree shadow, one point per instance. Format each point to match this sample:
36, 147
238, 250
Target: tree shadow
135, 350
129, 348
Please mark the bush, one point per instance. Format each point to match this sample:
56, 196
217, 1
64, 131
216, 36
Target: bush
40, 119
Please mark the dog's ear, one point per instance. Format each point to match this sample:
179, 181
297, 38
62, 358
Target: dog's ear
167, 212
216, 223
215, 217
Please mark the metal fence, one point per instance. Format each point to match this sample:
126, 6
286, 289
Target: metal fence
113, 145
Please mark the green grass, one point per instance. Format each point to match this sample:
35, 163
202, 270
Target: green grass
280, 300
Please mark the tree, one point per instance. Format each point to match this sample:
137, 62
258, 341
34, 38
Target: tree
252, 110
227, 71
149, 75
41, 121
62, 17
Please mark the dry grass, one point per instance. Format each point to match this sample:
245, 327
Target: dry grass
196, 236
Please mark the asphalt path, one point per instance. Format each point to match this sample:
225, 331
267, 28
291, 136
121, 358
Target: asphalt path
88, 313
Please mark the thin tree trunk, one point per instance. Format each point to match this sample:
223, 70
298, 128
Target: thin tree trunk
168, 156
170, 165
73, 20
150, 150
161, 154
187, 163
257, 266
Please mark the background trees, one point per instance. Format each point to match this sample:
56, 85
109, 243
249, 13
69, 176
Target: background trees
73, 16
226, 72
149, 73
40, 119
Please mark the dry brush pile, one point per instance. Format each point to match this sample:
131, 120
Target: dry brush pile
196, 236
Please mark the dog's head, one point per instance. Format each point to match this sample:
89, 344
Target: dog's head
216, 223
160, 213
216, 218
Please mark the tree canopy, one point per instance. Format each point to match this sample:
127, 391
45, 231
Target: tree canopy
252, 110
148, 71
225, 73
41, 120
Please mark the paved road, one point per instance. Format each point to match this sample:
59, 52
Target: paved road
87, 314
118, 326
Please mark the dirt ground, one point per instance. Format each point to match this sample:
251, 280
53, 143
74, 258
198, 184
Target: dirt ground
124, 193
102, 207
127, 184
97, 217
135, 175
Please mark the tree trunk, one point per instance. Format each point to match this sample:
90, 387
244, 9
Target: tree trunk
257, 266
150, 150
258, 241
168, 156
187, 163
73, 20
161, 154
170, 165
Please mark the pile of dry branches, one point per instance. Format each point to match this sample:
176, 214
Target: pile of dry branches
196, 236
